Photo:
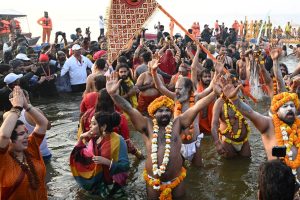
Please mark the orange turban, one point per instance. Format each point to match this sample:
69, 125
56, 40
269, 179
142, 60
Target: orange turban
160, 102
282, 98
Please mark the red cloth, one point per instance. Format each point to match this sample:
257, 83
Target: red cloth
44, 58
99, 54
168, 64
89, 101
144, 101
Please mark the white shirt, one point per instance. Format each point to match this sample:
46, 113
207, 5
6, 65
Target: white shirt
43, 146
101, 23
77, 70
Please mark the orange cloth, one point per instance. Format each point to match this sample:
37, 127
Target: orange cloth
205, 123
144, 101
5, 26
10, 171
45, 22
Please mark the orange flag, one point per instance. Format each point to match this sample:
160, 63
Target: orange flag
126, 18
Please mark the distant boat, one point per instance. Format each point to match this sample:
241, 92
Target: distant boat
9, 15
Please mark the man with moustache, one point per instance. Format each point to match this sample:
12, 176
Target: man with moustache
280, 129
127, 88
163, 168
184, 98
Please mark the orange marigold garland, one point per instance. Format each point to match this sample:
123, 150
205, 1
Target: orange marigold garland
178, 111
275, 89
288, 136
165, 189
160, 102
282, 98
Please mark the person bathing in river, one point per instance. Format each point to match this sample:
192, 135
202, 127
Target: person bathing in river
164, 172
101, 166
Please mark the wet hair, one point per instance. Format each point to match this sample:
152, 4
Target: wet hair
100, 63
100, 82
122, 65
204, 71
208, 64
285, 67
122, 59
110, 119
14, 134
276, 181
188, 84
147, 56
105, 102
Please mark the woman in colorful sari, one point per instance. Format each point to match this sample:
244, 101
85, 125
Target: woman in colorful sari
101, 166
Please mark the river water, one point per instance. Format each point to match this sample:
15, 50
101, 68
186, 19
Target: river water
219, 178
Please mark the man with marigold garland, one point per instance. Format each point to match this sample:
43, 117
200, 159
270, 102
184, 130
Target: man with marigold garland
163, 168
281, 129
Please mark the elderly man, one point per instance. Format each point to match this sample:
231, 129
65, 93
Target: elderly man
77, 66
163, 171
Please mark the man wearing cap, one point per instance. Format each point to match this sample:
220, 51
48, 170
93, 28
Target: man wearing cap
77, 66
11, 80
47, 74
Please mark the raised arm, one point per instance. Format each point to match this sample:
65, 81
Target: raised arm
187, 118
158, 81
194, 68
138, 120
261, 122
277, 72
11, 118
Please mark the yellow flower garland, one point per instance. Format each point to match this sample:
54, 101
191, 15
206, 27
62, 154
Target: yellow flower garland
229, 129
166, 189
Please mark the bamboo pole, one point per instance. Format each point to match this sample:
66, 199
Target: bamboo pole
187, 33
201, 46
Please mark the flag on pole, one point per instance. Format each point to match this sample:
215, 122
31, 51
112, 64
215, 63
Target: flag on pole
125, 19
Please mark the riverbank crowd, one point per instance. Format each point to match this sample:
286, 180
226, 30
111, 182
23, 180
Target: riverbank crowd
170, 90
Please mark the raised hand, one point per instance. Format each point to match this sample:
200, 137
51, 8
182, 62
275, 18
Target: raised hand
228, 88
18, 97
113, 84
153, 64
215, 84
275, 53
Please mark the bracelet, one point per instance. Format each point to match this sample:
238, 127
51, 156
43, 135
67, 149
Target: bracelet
29, 108
234, 98
111, 162
15, 110
18, 108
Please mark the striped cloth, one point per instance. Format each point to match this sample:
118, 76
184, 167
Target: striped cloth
96, 178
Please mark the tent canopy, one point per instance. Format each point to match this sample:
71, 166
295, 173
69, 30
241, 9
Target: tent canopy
9, 14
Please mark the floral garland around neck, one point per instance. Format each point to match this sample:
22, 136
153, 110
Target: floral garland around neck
162, 168
229, 128
288, 136
178, 111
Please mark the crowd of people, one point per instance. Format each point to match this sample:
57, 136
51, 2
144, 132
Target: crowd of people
172, 91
